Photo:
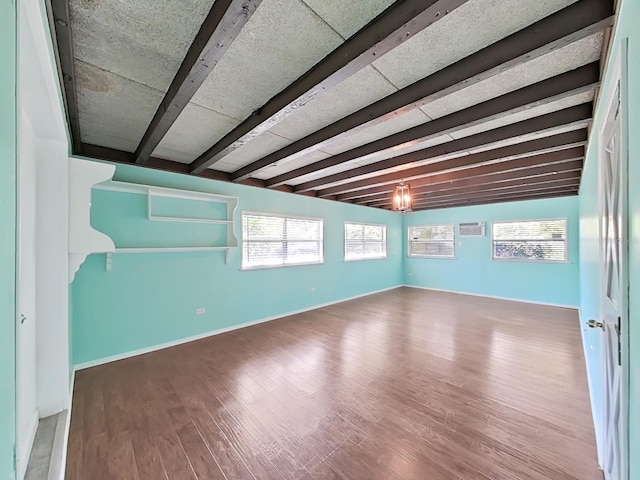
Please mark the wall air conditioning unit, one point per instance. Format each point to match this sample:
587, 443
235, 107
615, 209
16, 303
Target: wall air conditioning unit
471, 229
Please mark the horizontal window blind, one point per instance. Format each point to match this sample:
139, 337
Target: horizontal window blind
271, 241
364, 241
537, 240
432, 241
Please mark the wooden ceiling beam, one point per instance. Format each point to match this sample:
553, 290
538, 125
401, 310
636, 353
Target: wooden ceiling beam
572, 118
526, 154
391, 28
574, 82
485, 196
566, 179
498, 172
569, 25
517, 198
60, 27
556, 171
120, 156
218, 31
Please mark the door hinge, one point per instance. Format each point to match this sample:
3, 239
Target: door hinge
15, 458
618, 328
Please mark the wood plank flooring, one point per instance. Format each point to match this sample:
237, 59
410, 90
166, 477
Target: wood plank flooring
406, 384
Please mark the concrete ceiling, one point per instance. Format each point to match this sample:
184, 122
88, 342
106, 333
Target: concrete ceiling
126, 54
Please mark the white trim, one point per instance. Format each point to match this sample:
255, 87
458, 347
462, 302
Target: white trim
453, 241
67, 427
141, 351
280, 215
284, 239
364, 242
511, 299
565, 240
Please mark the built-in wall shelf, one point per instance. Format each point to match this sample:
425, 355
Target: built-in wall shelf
109, 259
208, 209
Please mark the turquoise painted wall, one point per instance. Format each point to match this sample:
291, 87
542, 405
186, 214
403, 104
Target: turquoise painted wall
473, 271
150, 299
626, 27
7, 236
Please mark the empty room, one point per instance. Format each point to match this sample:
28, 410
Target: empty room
320, 239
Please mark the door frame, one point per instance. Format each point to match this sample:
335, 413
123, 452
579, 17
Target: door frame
619, 76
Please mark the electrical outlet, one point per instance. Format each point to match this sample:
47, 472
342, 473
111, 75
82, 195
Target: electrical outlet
200, 311
313, 289
411, 274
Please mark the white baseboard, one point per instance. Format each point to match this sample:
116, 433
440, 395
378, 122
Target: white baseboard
596, 424
67, 428
141, 351
573, 307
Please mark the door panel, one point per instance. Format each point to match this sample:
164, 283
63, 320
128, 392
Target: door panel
613, 285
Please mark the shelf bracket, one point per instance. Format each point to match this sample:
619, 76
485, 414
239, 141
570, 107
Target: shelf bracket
108, 261
228, 255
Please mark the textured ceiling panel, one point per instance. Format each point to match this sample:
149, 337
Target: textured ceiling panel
281, 41
532, 136
376, 157
361, 89
114, 111
469, 28
286, 166
526, 114
262, 145
397, 124
491, 146
136, 39
192, 133
329, 171
552, 64
348, 17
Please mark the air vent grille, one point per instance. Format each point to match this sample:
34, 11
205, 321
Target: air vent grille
471, 229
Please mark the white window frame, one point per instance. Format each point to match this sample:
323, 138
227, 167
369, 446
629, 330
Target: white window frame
444, 257
533, 260
365, 241
279, 215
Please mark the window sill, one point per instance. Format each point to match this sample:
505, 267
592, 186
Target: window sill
529, 260
349, 260
263, 267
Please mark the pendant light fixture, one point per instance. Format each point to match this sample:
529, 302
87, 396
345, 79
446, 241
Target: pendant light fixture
402, 197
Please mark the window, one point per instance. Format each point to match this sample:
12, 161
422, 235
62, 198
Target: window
535, 240
431, 241
363, 241
273, 241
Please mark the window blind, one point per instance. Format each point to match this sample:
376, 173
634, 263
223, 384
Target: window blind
537, 240
271, 241
364, 241
432, 241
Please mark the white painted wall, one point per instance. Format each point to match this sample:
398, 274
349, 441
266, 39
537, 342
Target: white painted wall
52, 273
47, 151
27, 411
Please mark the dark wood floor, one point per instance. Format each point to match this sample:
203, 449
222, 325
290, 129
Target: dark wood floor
407, 384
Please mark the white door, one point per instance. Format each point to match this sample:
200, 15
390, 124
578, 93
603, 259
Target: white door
614, 281
27, 413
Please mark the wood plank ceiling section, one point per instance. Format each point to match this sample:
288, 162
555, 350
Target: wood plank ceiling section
470, 101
